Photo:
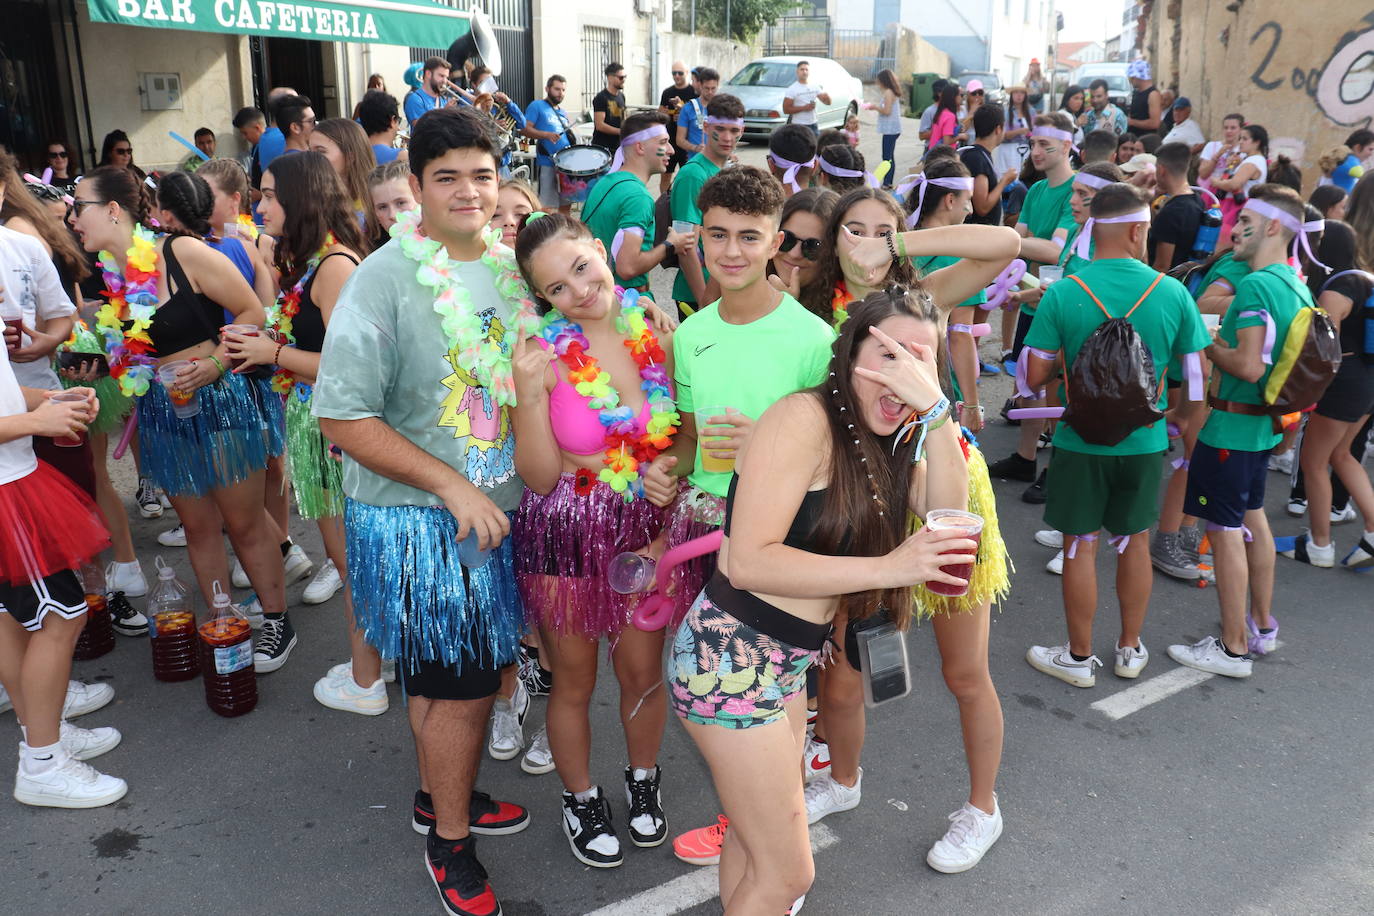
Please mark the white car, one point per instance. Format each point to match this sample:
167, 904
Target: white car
760, 85
1118, 86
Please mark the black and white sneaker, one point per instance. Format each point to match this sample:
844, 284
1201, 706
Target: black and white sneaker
149, 502
587, 825
647, 824
275, 641
537, 679
126, 619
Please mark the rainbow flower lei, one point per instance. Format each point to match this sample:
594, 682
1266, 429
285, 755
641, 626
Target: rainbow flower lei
840, 299
487, 360
247, 226
133, 296
624, 451
288, 305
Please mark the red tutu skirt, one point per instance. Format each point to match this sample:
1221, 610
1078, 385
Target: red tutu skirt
46, 525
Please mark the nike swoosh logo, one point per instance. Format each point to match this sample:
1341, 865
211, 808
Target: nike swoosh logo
817, 764
701, 350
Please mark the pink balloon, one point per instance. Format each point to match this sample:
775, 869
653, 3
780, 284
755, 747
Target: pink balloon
1035, 413
1002, 286
656, 609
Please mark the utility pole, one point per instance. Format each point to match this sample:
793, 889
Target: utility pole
727, 20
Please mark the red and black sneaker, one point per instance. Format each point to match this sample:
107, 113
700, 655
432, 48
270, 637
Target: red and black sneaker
485, 815
459, 878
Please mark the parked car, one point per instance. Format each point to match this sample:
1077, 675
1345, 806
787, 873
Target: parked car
760, 85
1118, 87
992, 84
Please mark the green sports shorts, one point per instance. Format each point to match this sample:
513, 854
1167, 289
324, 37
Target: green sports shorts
1087, 493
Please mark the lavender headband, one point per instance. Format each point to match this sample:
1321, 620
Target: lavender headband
1288, 221
648, 133
1083, 247
789, 177
954, 184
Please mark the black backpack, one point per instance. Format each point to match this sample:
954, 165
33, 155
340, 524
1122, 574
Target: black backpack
1362, 312
663, 221
1112, 390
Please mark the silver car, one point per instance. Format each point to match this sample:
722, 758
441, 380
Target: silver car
760, 85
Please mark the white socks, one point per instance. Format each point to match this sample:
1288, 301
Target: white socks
36, 761
640, 774
585, 795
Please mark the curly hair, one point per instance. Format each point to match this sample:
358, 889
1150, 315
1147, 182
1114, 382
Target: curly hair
842, 157
742, 189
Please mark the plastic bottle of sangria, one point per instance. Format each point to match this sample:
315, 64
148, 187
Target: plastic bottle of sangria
226, 659
172, 627
97, 635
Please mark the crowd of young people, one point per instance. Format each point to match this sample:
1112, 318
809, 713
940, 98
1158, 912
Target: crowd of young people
441, 366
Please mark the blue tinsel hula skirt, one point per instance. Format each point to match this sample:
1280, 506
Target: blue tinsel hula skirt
416, 602
240, 425
565, 541
316, 474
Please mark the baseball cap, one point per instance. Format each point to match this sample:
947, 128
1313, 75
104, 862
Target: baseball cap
1183, 102
1139, 162
973, 86
1139, 69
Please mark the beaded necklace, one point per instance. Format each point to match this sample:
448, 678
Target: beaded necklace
282, 313
624, 450
131, 296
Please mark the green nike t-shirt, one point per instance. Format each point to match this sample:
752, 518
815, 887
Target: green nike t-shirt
748, 367
621, 201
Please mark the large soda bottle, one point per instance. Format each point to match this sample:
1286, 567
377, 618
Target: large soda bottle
1209, 228
172, 627
97, 635
226, 659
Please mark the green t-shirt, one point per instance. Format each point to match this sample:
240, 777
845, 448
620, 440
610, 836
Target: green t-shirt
1047, 209
748, 367
686, 187
1069, 259
621, 201
928, 265
386, 355
1225, 268
1168, 324
1277, 290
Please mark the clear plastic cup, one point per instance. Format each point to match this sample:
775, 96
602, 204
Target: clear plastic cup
230, 231
630, 573
1050, 275
710, 462
683, 226
75, 440
243, 330
972, 527
184, 403
1211, 322
470, 554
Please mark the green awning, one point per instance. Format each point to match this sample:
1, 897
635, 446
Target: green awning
412, 23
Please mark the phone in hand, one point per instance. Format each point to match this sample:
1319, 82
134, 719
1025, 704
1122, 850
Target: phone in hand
69, 360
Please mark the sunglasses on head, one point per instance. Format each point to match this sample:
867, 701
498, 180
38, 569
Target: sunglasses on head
810, 248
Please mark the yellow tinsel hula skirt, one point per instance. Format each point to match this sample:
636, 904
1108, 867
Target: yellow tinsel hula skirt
991, 581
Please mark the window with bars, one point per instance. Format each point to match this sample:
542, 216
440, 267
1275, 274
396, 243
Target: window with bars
600, 46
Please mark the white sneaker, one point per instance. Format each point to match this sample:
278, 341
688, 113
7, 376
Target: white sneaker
971, 834
1341, 516
70, 784
1056, 564
508, 724
239, 578
5, 703
389, 670
824, 795
538, 759
345, 669
324, 586
85, 743
338, 690
1282, 463
1208, 655
84, 698
1130, 661
817, 758
796, 906
173, 537
1297, 507
1057, 661
127, 578
1049, 538
298, 565
251, 608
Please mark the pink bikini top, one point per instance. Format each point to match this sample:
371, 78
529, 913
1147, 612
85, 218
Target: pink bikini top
576, 426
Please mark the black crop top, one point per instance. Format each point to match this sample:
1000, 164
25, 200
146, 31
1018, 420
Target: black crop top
187, 317
308, 325
803, 531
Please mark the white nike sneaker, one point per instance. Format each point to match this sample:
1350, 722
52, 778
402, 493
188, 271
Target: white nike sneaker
84, 698
70, 784
298, 565
1208, 655
238, 577
971, 834
1131, 660
826, 795
1058, 662
324, 586
86, 743
1048, 537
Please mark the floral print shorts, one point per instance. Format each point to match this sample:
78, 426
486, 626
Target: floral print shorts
724, 672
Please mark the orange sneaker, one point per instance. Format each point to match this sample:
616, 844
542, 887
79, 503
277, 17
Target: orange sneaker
702, 846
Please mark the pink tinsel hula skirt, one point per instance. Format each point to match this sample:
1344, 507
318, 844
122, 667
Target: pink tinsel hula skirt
564, 542
695, 514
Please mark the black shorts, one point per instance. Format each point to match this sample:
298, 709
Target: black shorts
61, 593
1224, 484
437, 681
1350, 396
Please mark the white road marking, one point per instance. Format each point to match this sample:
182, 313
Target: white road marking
1133, 699
692, 889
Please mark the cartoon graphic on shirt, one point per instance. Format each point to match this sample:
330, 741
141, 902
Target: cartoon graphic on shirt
471, 412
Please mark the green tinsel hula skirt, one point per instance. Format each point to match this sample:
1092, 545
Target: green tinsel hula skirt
115, 406
991, 582
316, 473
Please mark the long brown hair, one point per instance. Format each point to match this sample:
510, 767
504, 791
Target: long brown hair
20, 202
817, 297
359, 161
315, 204
228, 177
865, 508
1359, 213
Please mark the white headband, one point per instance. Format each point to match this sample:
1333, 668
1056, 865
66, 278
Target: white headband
1085, 237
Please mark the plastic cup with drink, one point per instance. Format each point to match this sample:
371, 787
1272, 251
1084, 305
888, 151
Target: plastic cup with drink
75, 440
971, 526
710, 462
13, 317
631, 573
243, 330
184, 403
1049, 275
1211, 323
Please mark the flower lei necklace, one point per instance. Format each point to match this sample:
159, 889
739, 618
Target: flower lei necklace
247, 226
839, 305
488, 361
132, 295
288, 305
624, 450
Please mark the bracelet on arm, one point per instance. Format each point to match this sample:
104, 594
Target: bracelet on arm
276, 357
934, 418
891, 245
901, 244
218, 365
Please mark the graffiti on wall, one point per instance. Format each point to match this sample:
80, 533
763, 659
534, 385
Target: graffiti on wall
1343, 88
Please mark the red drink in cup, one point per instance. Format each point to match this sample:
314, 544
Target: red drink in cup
971, 526
75, 440
243, 330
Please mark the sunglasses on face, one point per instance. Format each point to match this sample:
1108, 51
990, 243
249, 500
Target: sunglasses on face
679, 73
810, 248
79, 205
123, 150
57, 154
976, 92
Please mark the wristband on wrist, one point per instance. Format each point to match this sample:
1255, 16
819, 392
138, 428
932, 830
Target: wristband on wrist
276, 357
218, 365
901, 243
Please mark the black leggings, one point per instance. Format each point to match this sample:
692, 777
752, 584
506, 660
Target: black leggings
1339, 496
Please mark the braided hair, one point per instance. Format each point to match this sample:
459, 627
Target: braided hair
189, 199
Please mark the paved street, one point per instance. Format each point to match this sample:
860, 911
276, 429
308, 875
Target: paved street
1178, 794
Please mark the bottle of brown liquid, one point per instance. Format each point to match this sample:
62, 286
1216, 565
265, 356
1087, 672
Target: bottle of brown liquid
172, 628
226, 659
97, 635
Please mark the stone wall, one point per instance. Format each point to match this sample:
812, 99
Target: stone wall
725, 57
916, 55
